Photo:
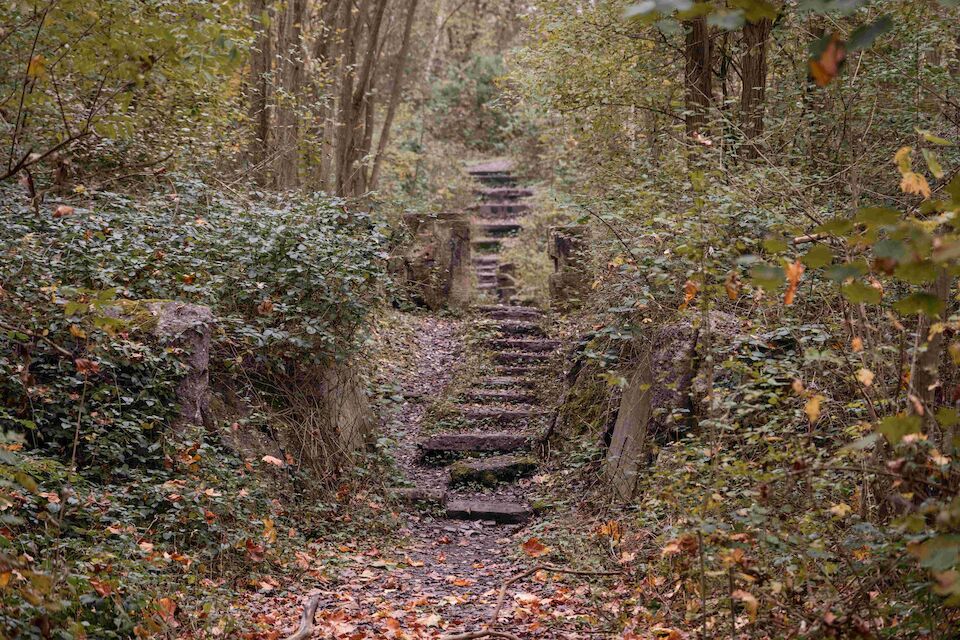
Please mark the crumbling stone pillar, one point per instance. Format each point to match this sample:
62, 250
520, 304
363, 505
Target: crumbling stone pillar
570, 278
506, 281
188, 327
437, 265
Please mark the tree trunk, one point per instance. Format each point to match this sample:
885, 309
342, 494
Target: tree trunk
926, 369
290, 60
352, 115
394, 99
753, 64
698, 77
258, 90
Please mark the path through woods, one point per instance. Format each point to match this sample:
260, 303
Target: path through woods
465, 530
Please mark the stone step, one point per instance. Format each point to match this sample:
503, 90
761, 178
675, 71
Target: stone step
486, 240
486, 260
491, 471
499, 228
506, 312
497, 179
466, 443
520, 327
500, 209
487, 275
521, 357
521, 370
528, 345
504, 415
504, 193
413, 495
504, 512
503, 396
506, 382
487, 286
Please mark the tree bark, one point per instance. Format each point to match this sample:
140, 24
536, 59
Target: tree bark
753, 65
395, 90
698, 85
290, 61
259, 90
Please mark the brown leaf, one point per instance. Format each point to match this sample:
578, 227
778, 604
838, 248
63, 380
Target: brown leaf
534, 548
794, 273
827, 66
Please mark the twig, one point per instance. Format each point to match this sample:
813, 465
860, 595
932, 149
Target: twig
470, 635
306, 620
30, 334
494, 618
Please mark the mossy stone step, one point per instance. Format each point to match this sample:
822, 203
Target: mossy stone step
519, 328
504, 193
502, 312
413, 495
521, 357
468, 443
502, 511
491, 471
528, 345
506, 382
507, 396
522, 370
504, 415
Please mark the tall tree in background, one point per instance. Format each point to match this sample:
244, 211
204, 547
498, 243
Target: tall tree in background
753, 70
698, 76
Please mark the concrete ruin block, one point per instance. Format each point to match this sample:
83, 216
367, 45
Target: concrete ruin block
570, 279
347, 405
188, 328
655, 402
437, 265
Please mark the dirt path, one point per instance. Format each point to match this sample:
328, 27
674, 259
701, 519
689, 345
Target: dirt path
464, 519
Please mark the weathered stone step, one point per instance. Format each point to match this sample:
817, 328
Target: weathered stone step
528, 345
521, 357
502, 227
487, 286
496, 179
507, 396
503, 512
491, 471
506, 382
520, 370
415, 494
503, 415
501, 312
519, 327
500, 209
486, 260
504, 193
464, 443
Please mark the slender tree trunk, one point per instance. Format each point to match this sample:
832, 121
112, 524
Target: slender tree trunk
753, 69
395, 90
352, 116
698, 77
258, 90
926, 370
290, 60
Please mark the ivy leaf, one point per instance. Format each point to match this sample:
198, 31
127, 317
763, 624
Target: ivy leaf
857, 292
864, 35
767, 276
920, 303
894, 428
819, 256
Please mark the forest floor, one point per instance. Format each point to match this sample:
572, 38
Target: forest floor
440, 577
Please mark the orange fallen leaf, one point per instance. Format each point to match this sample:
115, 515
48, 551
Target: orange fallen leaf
534, 548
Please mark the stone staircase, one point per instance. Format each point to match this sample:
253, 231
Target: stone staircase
500, 417
496, 219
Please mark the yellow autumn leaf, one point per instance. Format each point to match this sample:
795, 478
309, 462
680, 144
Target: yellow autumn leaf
841, 510
915, 183
750, 602
812, 408
269, 531
902, 159
37, 67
